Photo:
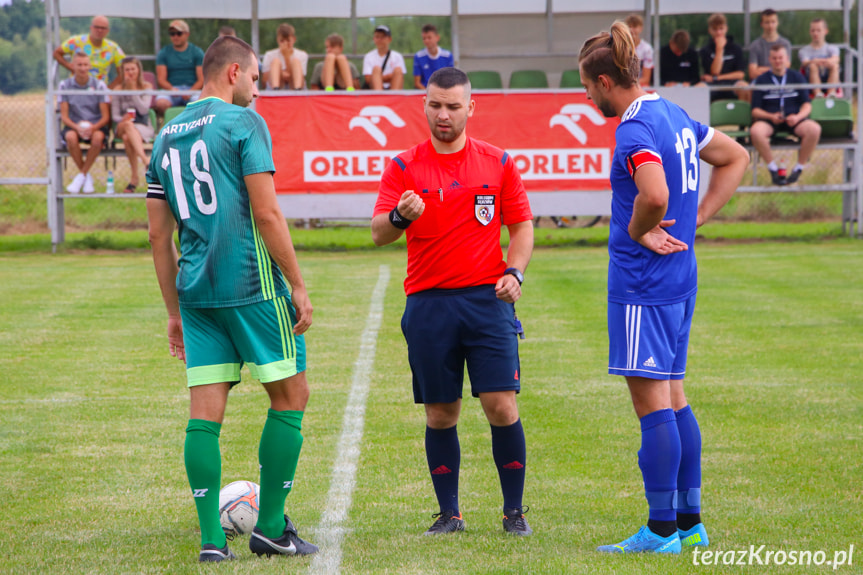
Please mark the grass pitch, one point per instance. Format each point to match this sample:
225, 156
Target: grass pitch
94, 409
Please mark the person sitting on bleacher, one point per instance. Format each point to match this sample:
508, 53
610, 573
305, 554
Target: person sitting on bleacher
643, 49
285, 66
336, 72
178, 67
819, 59
722, 61
782, 109
86, 117
131, 115
383, 67
678, 62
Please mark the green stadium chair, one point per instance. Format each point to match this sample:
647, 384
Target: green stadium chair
834, 115
571, 79
485, 80
528, 79
735, 113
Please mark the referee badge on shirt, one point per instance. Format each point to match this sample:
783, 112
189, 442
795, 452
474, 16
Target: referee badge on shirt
483, 209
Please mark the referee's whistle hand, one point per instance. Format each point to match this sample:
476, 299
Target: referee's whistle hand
411, 205
507, 289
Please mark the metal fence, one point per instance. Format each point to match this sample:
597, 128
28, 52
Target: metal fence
24, 161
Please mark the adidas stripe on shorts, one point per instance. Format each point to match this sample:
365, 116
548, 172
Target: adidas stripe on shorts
260, 335
649, 341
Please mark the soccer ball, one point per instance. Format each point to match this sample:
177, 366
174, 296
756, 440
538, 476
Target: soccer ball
238, 507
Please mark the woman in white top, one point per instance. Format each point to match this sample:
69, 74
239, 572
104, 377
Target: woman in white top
131, 116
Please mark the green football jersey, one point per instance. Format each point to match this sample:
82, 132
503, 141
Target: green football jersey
198, 164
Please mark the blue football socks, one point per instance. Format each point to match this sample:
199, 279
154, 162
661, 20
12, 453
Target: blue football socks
659, 460
443, 454
510, 457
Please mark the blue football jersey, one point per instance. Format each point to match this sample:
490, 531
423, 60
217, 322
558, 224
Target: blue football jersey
654, 130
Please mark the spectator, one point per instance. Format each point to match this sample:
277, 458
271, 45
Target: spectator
722, 61
101, 51
759, 49
285, 66
384, 69
643, 50
678, 61
131, 116
430, 58
85, 117
178, 67
227, 31
819, 59
782, 109
336, 72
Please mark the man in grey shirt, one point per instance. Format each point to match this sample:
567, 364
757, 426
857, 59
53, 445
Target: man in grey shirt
759, 49
819, 59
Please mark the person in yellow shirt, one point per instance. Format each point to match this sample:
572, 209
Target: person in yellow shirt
102, 52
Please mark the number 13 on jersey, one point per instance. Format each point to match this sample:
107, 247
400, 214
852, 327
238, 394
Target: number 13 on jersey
201, 175
688, 170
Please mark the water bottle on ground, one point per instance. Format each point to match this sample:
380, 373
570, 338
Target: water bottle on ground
109, 186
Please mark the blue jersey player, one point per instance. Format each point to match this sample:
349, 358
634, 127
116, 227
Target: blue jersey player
211, 175
652, 276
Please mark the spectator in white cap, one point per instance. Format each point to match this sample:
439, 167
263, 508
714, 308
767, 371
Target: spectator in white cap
384, 69
178, 67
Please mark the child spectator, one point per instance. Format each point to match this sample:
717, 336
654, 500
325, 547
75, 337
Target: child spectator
820, 60
285, 66
678, 62
384, 69
643, 50
430, 58
336, 72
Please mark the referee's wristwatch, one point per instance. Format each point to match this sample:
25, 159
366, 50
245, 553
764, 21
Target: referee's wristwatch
516, 273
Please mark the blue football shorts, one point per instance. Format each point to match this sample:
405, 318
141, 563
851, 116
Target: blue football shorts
649, 341
260, 335
448, 328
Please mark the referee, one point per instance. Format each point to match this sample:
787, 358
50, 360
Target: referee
451, 195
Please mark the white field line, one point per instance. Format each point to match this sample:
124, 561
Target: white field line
331, 530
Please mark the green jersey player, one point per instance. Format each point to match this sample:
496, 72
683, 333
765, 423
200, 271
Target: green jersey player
211, 176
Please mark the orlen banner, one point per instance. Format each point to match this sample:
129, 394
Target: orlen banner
342, 143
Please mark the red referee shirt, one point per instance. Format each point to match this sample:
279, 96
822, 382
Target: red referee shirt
468, 195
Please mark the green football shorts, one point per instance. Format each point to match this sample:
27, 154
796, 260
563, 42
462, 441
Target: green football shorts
220, 340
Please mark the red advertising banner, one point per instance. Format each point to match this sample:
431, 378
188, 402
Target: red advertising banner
343, 142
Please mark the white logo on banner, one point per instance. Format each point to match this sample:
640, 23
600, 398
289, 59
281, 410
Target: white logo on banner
569, 116
370, 116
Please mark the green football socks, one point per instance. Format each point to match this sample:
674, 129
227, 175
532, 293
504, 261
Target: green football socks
278, 454
204, 469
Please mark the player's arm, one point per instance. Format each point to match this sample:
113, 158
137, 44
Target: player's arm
277, 237
161, 234
647, 226
518, 255
385, 227
729, 160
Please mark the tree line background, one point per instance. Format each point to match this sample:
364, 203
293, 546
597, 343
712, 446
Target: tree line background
22, 35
